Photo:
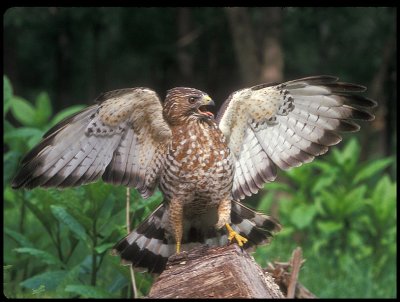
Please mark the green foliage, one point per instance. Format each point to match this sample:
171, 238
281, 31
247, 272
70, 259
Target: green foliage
342, 213
86, 291
73, 230
58, 242
7, 95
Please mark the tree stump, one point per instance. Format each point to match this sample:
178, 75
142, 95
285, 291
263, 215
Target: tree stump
217, 272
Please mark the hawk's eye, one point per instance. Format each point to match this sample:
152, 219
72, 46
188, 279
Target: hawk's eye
192, 99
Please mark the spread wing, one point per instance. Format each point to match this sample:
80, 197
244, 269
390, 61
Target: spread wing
120, 138
285, 125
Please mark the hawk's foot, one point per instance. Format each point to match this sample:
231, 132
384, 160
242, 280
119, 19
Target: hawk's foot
233, 235
178, 247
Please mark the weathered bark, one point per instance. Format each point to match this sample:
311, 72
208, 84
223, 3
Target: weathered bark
218, 272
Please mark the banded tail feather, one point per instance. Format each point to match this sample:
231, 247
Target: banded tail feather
149, 246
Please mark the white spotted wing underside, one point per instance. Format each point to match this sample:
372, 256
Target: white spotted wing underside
118, 139
286, 125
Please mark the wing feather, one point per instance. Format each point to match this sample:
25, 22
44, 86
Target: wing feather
288, 124
117, 139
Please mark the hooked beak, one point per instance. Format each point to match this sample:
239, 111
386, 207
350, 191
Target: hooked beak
207, 101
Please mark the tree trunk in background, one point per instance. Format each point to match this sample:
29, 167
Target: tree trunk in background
186, 36
62, 62
258, 46
385, 115
272, 54
94, 87
244, 44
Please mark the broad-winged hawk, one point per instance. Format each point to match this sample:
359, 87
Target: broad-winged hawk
203, 166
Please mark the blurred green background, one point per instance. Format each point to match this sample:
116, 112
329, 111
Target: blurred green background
341, 209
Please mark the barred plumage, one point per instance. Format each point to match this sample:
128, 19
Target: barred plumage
202, 166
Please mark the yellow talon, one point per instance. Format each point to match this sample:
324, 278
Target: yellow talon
232, 234
178, 247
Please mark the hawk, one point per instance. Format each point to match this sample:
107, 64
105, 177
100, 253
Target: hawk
203, 165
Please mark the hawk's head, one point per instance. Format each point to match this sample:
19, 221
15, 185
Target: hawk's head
184, 103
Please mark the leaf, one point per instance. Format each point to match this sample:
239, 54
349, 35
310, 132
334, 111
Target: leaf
71, 277
266, 201
367, 223
104, 247
300, 174
7, 95
41, 255
71, 199
120, 282
66, 113
328, 227
74, 226
43, 108
49, 279
355, 239
26, 135
18, 237
107, 208
372, 169
40, 290
276, 186
354, 200
384, 200
348, 156
23, 133
331, 200
303, 215
381, 189
324, 166
98, 192
41, 215
323, 181
11, 161
33, 141
87, 291
16, 145
23, 111
351, 154
318, 245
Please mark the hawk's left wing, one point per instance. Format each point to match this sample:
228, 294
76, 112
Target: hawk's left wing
285, 125
119, 139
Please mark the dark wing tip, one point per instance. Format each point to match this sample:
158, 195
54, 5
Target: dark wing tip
314, 80
348, 126
338, 87
16, 183
24, 177
359, 114
358, 100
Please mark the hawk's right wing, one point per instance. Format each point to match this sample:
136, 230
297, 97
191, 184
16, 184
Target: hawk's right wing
285, 125
118, 139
